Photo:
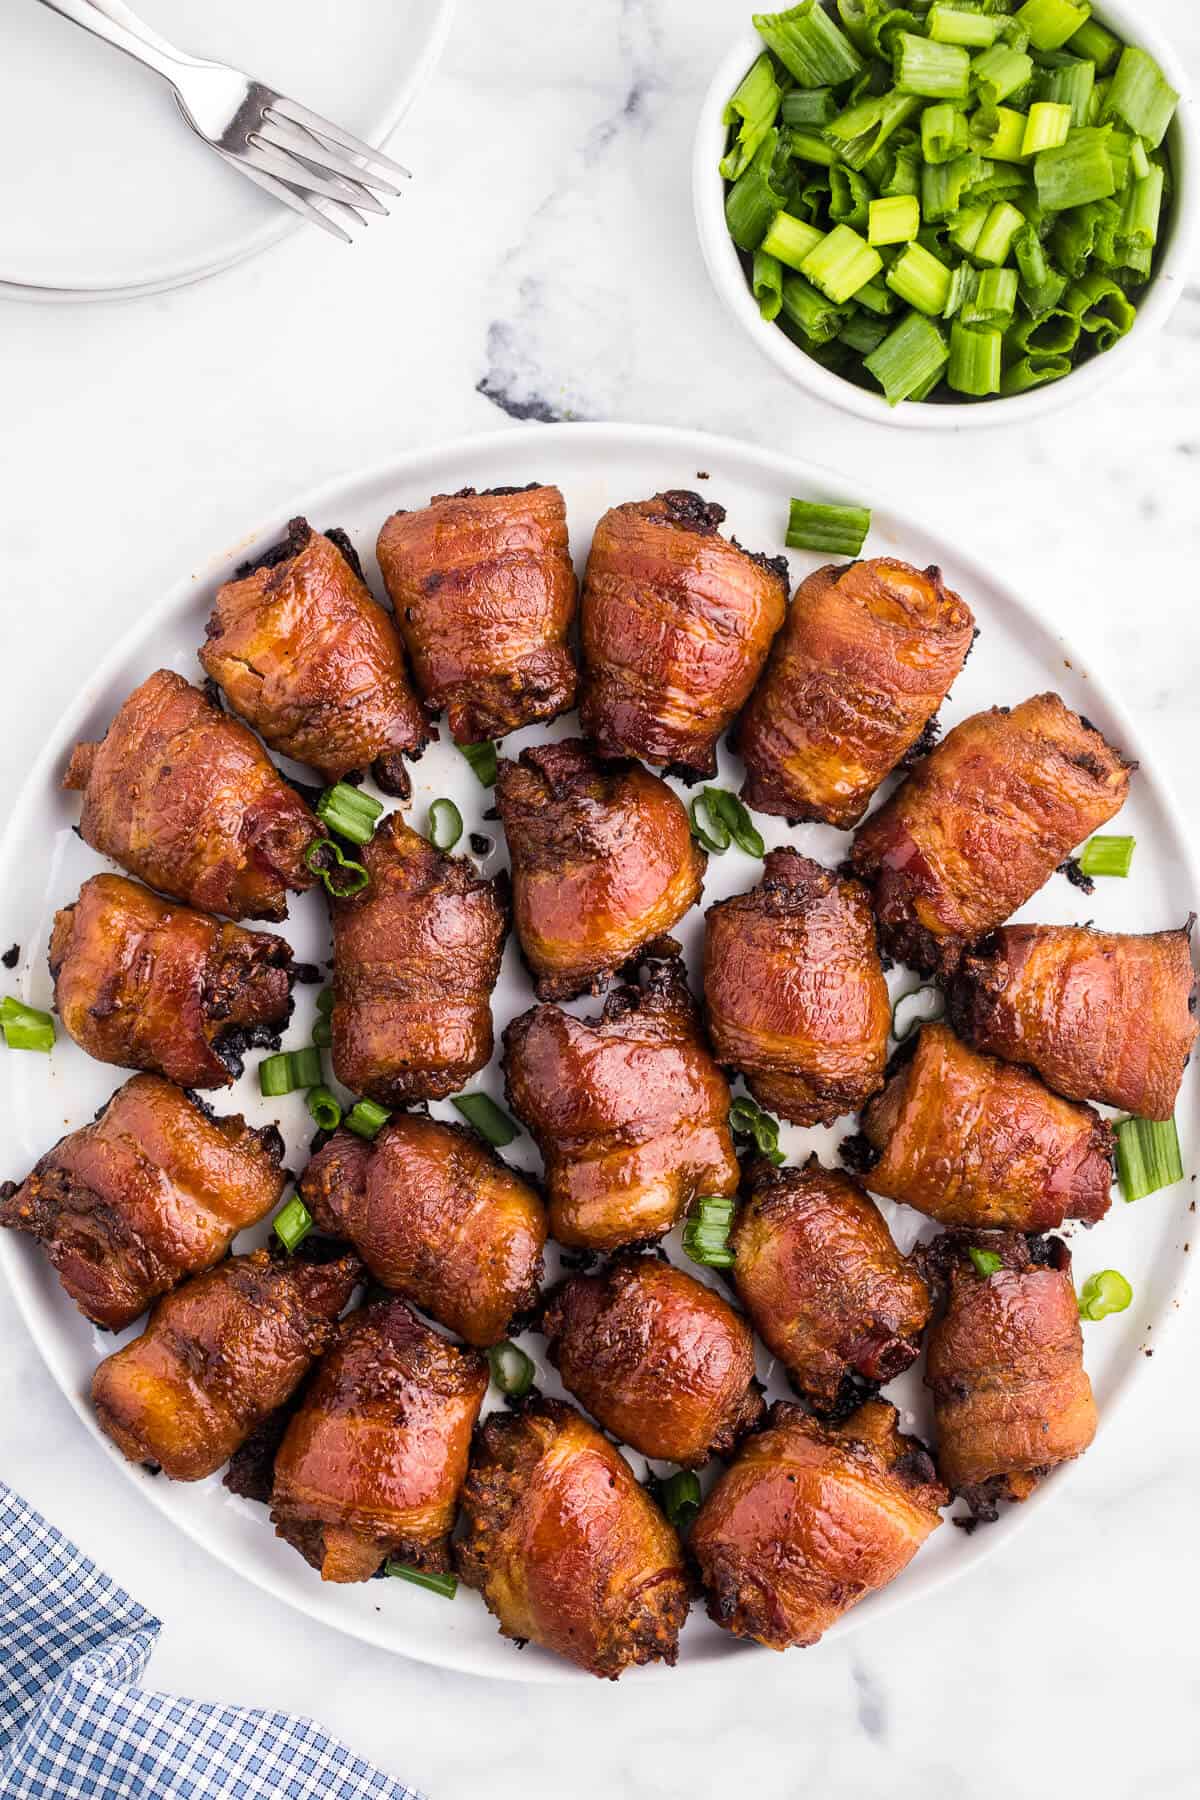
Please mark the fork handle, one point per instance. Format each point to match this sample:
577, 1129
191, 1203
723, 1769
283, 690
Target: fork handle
118, 25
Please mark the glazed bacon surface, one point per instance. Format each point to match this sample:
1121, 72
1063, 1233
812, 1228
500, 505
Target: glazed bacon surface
372, 1462
866, 657
827, 1290
219, 1355
485, 592
676, 622
308, 658
566, 1547
1101, 1015
810, 1519
435, 1217
152, 1190
969, 1140
603, 862
416, 956
150, 985
629, 1110
186, 799
796, 997
1005, 1365
981, 823
663, 1362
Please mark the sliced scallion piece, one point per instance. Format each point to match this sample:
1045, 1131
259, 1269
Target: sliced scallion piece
288, 1070
1096, 44
341, 876
445, 1585
490, 1121
832, 530
752, 108
708, 828
808, 107
975, 359
909, 356
1077, 172
706, 1233
986, 1262
919, 279
24, 1027
789, 240
445, 824
840, 264
325, 1001
943, 133
1050, 23
750, 205
512, 1370
679, 1497
955, 25
366, 1119
324, 1107
737, 821
1148, 1156
895, 220
1047, 125
767, 283
999, 229
1141, 96
747, 1119
1104, 1293
349, 812
482, 758
936, 71
810, 45
1107, 856
292, 1223
322, 1032
920, 1006
1000, 71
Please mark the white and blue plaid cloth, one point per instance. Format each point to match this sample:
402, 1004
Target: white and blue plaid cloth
74, 1724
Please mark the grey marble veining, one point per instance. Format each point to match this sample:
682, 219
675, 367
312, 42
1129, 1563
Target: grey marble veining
544, 266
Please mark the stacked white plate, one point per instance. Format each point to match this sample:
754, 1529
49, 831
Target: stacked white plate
105, 192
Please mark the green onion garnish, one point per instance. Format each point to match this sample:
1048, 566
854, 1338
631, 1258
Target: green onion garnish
975, 359
811, 47
1107, 856
1141, 97
894, 220
747, 1119
790, 240
512, 1370
986, 1262
768, 284
752, 109
831, 530
1051, 22
909, 357
840, 264
679, 1497
482, 758
706, 1233
325, 1001
366, 1119
953, 25
324, 1108
1096, 44
292, 1223
919, 279
722, 805
708, 828
344, 878
936, 71
920, 1006
24, 1027
1148, 1156
489, 1120
445, 824
1107, 1292
349, 812
445, 1585
322, 1032
288, 1070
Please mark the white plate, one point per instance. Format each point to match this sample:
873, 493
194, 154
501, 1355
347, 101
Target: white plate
103, 188
1018, 654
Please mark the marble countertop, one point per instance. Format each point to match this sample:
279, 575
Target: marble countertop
544, 266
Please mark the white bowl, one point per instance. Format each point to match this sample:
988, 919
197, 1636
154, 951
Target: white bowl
1176, 256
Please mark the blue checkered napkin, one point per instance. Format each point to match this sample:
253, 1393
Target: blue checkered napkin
74, 1726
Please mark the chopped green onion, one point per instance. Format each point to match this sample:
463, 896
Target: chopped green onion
904, 171
708, 828
1107, 856
943, 185
790, 240
752, 108
747, 1119
288, 1070
706, 1233
975, 359
966, 226
767, 283
865, 127
349, 812
1033, 371
344, 878
445, 824
1141, 95
986, 1262
920, 1006
1107, 1292
728, 808
876, 298
1078, 171
679, 1498
943, 135
1041, 286
1103, 311
1096, 44
1148, 1156
1051, 22
808, 106
1140, 215
1139, 162
895, 220
324, 1107
937, 71
489, 1120
809, 45
445, 1585
366, 1119
1069, 85
999, 229
292, 1223
862, 333
811, 313
1001, 136
952, 25
512, 1370
1000, 71
306, 1067
992, 300
840, 264
849, 197
322, 1033
1046, 127
920, 280
325, 1001
833, 530
908, 357
24, 1027
810, 147
482, 758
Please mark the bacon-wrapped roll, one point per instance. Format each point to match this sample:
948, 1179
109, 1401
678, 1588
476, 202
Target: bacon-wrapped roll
305, 654
629, 1110
1011, 1399
810, 1519
185, 798
148, 985
219, 1354
155, 1188
416, 956
676, 623
372, 1462
661, 1360
485, 593
567, 1549
436, 1217
795, 990
603, 862
855, 677
972, 1141
1101, 1015
828, 1291
982, 822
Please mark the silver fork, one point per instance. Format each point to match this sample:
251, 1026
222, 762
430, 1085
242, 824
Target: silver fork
292, 152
